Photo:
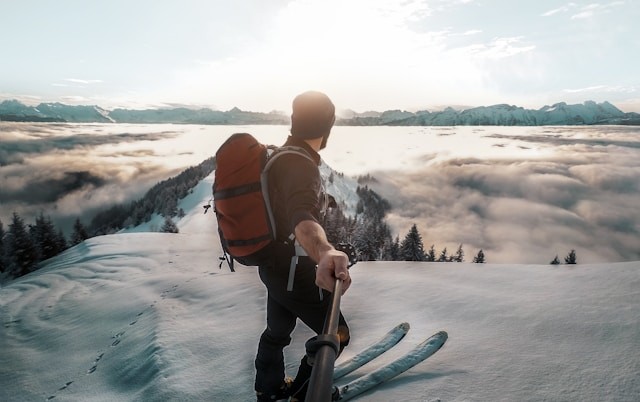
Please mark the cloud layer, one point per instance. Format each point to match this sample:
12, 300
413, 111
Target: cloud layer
523, 195
68, 171
585, 197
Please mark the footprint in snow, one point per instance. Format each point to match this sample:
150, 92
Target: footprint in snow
117, 338
164, 294
95, 363
65, 386
11, 323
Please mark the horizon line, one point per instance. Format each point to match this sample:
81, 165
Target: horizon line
172, 106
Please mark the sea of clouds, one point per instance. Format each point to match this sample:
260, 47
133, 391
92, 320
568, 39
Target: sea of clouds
522, 194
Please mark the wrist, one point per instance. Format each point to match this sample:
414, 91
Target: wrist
324, 249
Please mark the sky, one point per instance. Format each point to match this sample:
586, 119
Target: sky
366, 54
150, 316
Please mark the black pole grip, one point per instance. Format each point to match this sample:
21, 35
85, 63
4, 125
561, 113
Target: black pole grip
321, 381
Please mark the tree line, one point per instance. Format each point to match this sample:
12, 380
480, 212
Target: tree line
160, 199
371, 236
571, 258
23, 246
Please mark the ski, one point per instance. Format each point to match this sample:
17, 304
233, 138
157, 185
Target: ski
385, 343
418, 354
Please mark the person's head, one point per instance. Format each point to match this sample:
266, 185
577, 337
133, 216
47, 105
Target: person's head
312, 117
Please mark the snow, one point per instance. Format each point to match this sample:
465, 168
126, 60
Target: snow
588, 112
342, 188
151, 316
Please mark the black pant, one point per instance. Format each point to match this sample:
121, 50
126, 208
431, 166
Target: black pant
283, 308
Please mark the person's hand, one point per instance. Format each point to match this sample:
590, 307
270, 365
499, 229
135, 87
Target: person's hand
333, 264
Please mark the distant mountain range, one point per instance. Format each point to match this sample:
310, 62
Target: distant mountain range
12, 110
502, 115
588, 113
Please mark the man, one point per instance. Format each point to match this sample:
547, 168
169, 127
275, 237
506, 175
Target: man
295, 189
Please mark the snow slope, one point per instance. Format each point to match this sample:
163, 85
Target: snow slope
151, 317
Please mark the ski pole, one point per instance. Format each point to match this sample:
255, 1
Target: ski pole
327, 344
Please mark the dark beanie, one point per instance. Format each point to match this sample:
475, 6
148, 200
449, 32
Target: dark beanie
313, 115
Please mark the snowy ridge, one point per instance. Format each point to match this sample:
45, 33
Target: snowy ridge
560, 113
150, 316
341, 187
13, 110
505, 115
80, 114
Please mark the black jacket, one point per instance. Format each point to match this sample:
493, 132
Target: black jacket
295, 189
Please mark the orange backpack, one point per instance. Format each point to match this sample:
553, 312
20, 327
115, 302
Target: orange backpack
241, 197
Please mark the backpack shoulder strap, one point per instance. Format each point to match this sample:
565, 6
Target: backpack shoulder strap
273, 153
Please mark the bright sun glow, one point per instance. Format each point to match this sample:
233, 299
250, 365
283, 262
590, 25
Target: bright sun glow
360, 52
347, 46
367, 55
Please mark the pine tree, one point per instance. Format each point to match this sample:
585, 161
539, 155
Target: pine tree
169, 226
333, 222
392, 250
555, 261
43, 234
170, 204
443, 256
79, 233
479, 258
571, 258
22, 252
412, 248
365, 241
371, 236
61, 241
459, 256
431, 254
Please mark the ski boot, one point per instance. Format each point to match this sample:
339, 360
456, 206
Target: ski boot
282, 395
